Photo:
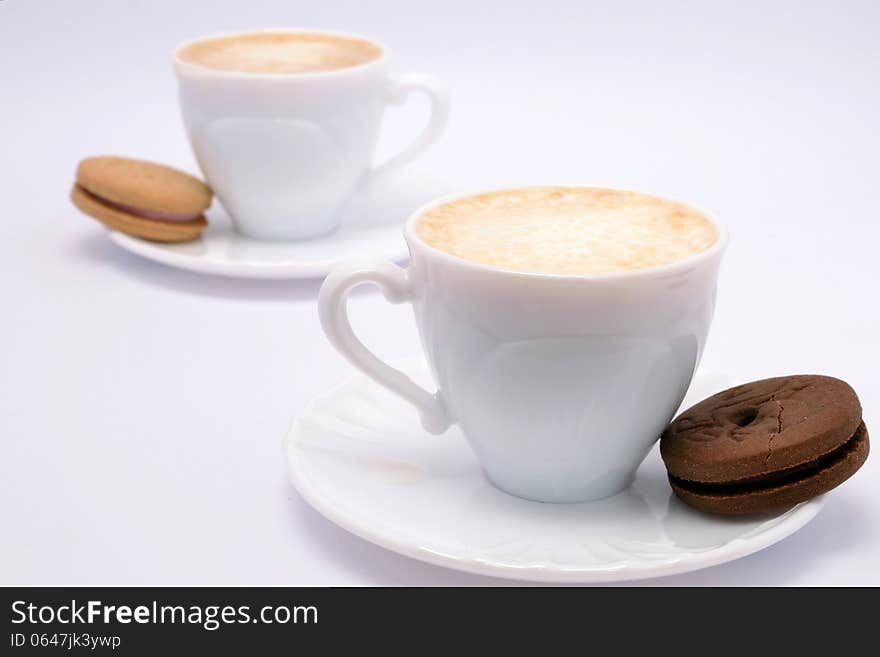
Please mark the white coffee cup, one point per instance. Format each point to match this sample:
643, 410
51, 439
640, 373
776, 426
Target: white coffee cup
284, 151
561, 383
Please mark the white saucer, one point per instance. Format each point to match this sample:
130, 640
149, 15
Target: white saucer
358, 455
372, 227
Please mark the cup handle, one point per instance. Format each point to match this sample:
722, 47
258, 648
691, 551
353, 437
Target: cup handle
394, 283
398, 92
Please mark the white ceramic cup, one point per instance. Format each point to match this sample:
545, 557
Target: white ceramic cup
560, 383
285, 151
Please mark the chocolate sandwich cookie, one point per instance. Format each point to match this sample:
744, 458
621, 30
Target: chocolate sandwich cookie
766, 445
140, 198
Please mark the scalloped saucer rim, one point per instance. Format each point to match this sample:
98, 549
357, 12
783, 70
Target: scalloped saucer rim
359, 457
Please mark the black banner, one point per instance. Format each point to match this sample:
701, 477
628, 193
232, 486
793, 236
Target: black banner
149, 621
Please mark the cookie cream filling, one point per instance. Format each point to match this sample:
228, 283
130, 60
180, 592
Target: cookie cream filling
143, 212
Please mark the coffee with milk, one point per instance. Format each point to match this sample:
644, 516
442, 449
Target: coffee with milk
281, 52
567, 230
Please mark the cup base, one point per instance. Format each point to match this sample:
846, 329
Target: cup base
563, 492
296, 234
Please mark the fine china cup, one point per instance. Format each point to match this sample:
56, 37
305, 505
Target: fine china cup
285, 151
561, 383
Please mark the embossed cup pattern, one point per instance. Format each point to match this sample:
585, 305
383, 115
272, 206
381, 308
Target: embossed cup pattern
279, 177
561, 386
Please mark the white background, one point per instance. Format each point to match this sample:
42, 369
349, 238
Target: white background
142, 409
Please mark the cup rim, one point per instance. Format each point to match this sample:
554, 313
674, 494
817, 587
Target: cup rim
182, 64
658, 271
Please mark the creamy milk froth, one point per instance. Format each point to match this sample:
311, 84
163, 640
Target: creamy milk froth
567, 230
281, 52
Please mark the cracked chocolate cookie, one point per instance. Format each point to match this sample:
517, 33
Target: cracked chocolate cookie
766, 445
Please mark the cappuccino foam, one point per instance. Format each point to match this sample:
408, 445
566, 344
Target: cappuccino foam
567, 230
281, 52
